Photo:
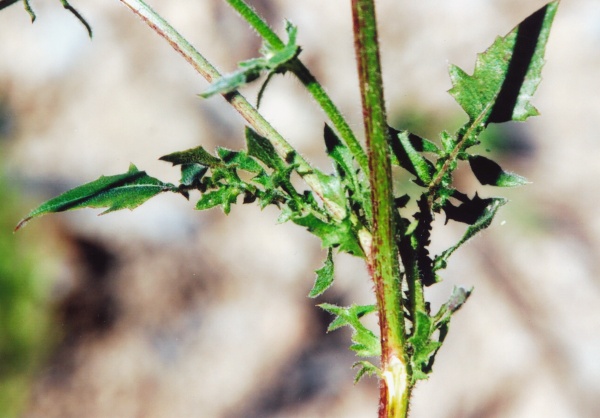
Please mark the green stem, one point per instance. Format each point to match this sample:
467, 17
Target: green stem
239, 102
308, 80
383, 261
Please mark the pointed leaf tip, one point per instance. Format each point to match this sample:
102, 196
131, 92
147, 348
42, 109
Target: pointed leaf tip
507, 74
489, 172
324, 276
121, 191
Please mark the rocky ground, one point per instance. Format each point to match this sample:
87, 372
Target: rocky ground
169, 312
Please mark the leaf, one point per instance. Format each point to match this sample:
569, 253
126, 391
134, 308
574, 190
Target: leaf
332, 234
196, 155
409, 158
122, 191
191, 174
274, 60
489, 172
226, 195
424, 348
507, 74
324, 276
263, 150
366, 343
366, 368
341, 155
240, 160
485, 218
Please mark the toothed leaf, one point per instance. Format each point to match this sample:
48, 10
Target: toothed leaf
507, 74
324, 276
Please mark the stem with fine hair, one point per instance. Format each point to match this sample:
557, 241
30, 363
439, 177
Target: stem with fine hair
308, 80
383, 261
237, 100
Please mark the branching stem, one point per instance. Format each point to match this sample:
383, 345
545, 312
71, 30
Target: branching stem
308, 80
238, 101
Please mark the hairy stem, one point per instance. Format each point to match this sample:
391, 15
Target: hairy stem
308, 80
383, 261
239, 102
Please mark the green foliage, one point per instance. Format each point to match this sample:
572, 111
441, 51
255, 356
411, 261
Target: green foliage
340, 207
274, 61
123, 191
324, 277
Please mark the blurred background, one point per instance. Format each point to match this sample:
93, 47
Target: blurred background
169, 312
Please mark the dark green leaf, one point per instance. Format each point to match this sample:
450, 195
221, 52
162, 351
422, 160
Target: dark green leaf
263, 150
324, 276
196, 155
507, 74
340, 154
122, 191
489, 172
240, 160
409, 158
225, 196
191, 174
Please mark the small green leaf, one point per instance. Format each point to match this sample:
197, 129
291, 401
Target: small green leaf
484, 220
263, 150
507, 74
366, 368
273, 61
122, 191
410, 159
332, 234
226, 195
240, 160
489, 172
196, 155
324, 276
191, 174
424, 348
340, 154
365, 342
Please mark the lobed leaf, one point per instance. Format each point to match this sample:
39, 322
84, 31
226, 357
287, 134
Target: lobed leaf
365, 342
507, 74
196, 155
324, 276
122, 191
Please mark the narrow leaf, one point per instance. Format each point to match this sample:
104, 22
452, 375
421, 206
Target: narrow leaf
196, 155
489, 172
366, 369
507, 74
263, 150
410, 159
324, 276
122, 191
424, 347
483, 221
